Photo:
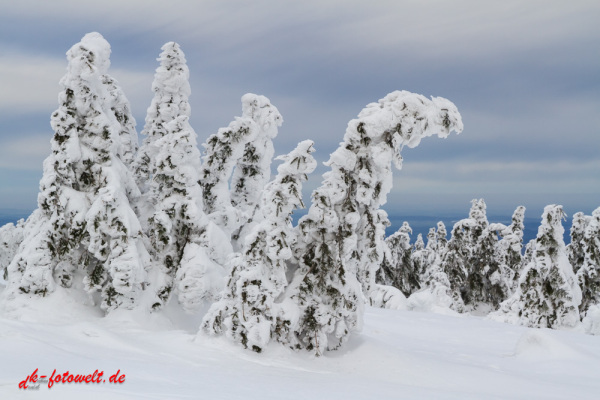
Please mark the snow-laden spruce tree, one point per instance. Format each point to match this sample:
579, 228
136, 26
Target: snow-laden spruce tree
509, 250
85, 221
127, 139
171, 89
455, 261
342, 236
484, 284
250, 309
167, 166
548, 295
11, 237
418, 257
575, 249
588, 275
397, 267
440, 284
240, 153
181, 235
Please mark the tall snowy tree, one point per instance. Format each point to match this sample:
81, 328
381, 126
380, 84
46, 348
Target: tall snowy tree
171, 89
342, 237
241, 153
182, 238
84, 220
548, 295
589, 273
249, 310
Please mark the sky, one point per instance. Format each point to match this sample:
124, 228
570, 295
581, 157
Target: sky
525, 76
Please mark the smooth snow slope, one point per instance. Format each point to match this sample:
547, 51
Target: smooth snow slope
399, 355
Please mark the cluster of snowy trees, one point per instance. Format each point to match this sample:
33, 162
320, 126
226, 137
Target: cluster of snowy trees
482, 268
137, 227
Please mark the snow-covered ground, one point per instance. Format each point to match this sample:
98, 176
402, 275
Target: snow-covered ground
398, 355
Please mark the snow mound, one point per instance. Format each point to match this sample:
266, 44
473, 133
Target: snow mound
591, 322
539, 345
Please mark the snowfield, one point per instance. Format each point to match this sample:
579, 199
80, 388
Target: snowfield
398, 355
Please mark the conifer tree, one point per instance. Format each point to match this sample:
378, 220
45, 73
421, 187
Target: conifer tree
397, 267
249, 311
588, 275
418, 258
484, 284
342, 236
245, 147
509, 248
438, 277
178, 228
168, 166
127, 143
575, 249
171, 89
548, 295
11, 237
84, 219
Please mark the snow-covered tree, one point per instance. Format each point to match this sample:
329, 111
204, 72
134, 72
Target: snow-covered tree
182, 238
548, 295
418, 259
509, 250
244, 147
253, 170
11, 237
575, 249
127, 141
589, 273
249, 310
484, 283
342, 236
397, 267
178, 227
171, 89
84, 219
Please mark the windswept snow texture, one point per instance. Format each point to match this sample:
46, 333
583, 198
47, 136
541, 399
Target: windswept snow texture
398, 355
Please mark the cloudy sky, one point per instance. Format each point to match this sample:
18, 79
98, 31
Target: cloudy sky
525, 76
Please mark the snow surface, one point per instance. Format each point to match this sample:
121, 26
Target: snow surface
398, 355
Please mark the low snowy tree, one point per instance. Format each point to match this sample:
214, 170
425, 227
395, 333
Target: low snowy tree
575, 249
244, 147
548, 295
397, 267
342, 236
84, 220
588, 275
438, 277
484, 284
418, 257
249, 310
11, 237
509, 249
